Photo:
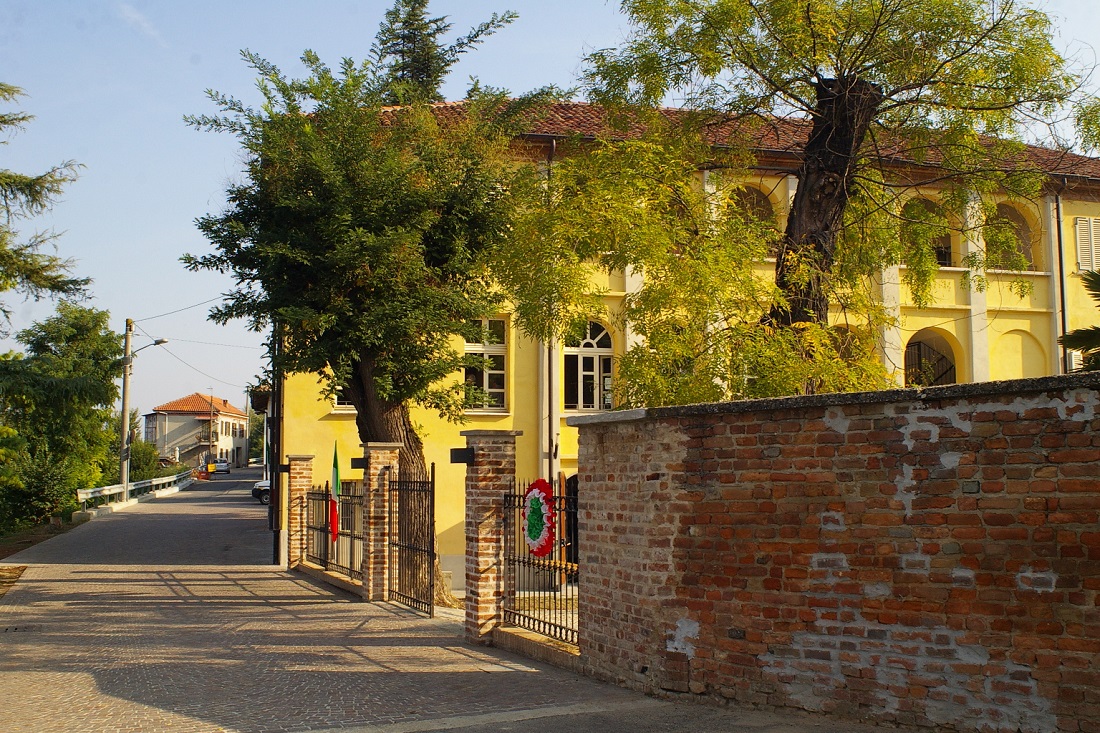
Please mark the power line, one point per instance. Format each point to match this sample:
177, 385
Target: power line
211, 343
192, 366
200, 371
178, 310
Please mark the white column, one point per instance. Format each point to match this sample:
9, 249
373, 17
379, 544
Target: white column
1052, 224
549, 410
973, 241
890, 341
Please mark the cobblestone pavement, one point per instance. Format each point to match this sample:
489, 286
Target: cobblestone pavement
165, 617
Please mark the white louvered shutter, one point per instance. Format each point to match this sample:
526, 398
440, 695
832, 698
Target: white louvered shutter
1088, 241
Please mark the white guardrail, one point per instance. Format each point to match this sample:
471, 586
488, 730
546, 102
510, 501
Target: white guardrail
104, 494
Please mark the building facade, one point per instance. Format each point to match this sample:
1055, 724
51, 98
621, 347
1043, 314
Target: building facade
197, 427
965, 335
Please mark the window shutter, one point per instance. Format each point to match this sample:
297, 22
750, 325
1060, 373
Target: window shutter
1076, 361
1088, 237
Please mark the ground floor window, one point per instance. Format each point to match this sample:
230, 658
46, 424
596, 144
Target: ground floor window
587, 378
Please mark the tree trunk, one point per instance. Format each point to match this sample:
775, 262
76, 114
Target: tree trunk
845, 109
380, 420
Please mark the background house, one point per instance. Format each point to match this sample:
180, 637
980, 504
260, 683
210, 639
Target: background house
197, 426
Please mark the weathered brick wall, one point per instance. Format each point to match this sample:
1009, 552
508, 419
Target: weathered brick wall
927, 558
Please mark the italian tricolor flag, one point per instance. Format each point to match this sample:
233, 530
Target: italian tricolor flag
334, 497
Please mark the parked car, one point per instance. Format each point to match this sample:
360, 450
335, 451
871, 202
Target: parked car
262, 490
220, 465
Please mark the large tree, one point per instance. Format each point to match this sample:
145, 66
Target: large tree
55, 402
24, 267
360, 230
955, 84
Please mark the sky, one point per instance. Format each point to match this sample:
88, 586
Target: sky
109, 83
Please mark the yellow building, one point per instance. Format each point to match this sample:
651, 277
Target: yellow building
965, 336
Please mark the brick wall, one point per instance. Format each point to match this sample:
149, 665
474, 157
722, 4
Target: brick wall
929, 558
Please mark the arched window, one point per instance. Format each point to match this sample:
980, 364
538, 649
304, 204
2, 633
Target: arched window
588, 370
1018, 228
929, 360
923, 220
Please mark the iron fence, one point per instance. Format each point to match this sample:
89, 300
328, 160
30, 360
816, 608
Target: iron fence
412, 543
345, 555
540, 592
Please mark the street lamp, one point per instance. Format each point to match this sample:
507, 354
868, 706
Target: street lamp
124, 445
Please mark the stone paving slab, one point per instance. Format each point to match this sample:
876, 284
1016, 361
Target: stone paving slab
164, 618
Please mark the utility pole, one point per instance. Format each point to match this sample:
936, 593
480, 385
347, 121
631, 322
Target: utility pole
210, 450
124, 449
127, 369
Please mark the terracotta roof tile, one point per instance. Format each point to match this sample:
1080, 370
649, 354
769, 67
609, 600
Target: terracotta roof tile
784, 136
199, 403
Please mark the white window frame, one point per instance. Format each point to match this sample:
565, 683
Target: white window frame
492, 381
340, 403
1088, 242
590, 361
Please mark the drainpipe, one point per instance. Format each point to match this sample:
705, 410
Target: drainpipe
553, 421
1066, 366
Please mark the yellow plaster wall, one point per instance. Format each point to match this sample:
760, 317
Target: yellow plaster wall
1081, 310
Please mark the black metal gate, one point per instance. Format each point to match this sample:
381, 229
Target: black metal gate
540, 593
345, 555
412, 543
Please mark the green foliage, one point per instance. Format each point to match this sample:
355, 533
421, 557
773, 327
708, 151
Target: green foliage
56, 410
415, 61
643, 206
952, 83
23, 267
1087, 339
361, 231
47, 486
256, 435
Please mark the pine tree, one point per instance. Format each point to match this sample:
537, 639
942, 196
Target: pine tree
23, 266
408, 46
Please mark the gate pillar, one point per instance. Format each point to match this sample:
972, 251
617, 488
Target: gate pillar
382, 461
490, 474
298, 487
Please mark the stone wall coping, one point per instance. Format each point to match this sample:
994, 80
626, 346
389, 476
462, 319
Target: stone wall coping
382, 446
300, 458
490, 433
913, 394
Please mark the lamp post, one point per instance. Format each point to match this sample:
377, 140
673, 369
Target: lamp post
124, 444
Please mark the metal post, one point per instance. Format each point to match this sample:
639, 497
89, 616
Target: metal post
124, 445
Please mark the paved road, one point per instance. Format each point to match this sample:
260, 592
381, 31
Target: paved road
166, 617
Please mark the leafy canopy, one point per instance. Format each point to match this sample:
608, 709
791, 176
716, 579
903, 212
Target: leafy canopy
952, 87
361, 231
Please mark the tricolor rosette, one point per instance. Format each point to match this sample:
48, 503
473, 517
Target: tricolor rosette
539, 518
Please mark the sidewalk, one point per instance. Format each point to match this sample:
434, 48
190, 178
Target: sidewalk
164, 618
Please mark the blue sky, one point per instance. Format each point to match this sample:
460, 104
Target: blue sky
109, 83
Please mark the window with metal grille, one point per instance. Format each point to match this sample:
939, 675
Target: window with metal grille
587, 379
489, 378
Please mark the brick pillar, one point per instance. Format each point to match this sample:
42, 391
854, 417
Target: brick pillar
489, 475
300, 483
381, 468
